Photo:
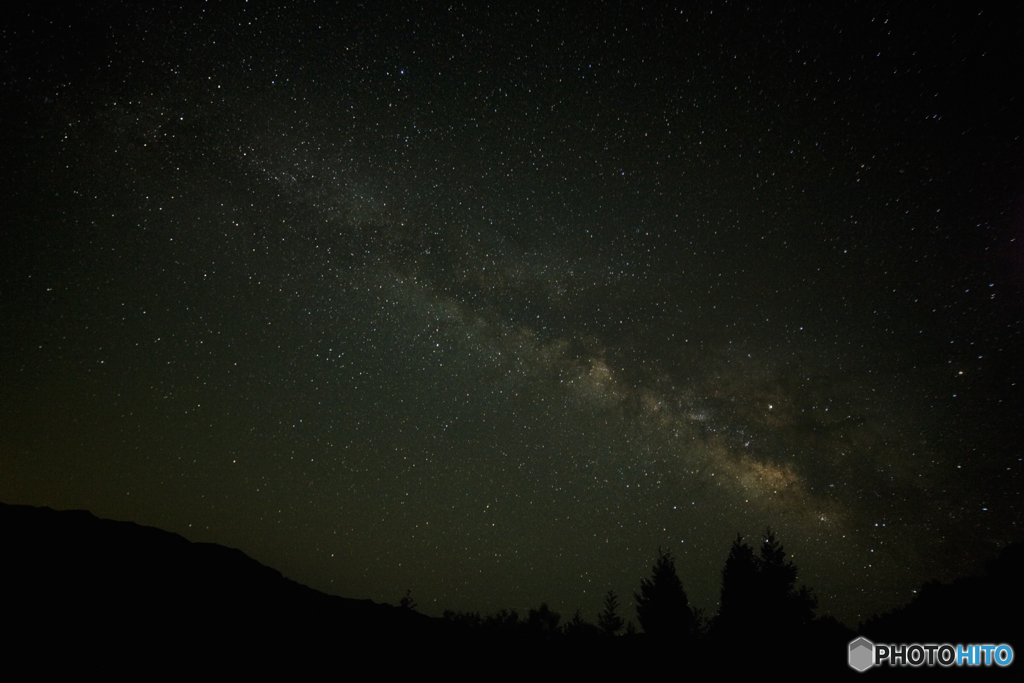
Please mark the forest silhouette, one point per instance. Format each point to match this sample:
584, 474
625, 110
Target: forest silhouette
117, 596
761, 607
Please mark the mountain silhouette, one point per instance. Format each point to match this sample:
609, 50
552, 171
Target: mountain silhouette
82, 592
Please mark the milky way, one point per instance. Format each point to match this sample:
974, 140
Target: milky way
491, 304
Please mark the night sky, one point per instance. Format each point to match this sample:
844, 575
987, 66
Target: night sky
490, 303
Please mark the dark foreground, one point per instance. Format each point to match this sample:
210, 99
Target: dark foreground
85, 594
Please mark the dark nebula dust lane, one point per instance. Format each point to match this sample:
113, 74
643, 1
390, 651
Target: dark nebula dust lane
491, 303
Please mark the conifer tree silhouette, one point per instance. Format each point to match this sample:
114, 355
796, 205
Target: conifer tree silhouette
609, 620
662, 607
738, 608
791, 607
759, 593
578, 628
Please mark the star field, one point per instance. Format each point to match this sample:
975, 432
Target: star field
490, 303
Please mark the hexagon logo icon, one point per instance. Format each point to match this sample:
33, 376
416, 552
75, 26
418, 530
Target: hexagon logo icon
862, 654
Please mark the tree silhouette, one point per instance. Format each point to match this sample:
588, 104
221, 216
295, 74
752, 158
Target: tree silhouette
759, 593
503, 623
469, 621
790, 606
662, 607
542, 622
579, 628
407, 602
738, 605
609, 620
